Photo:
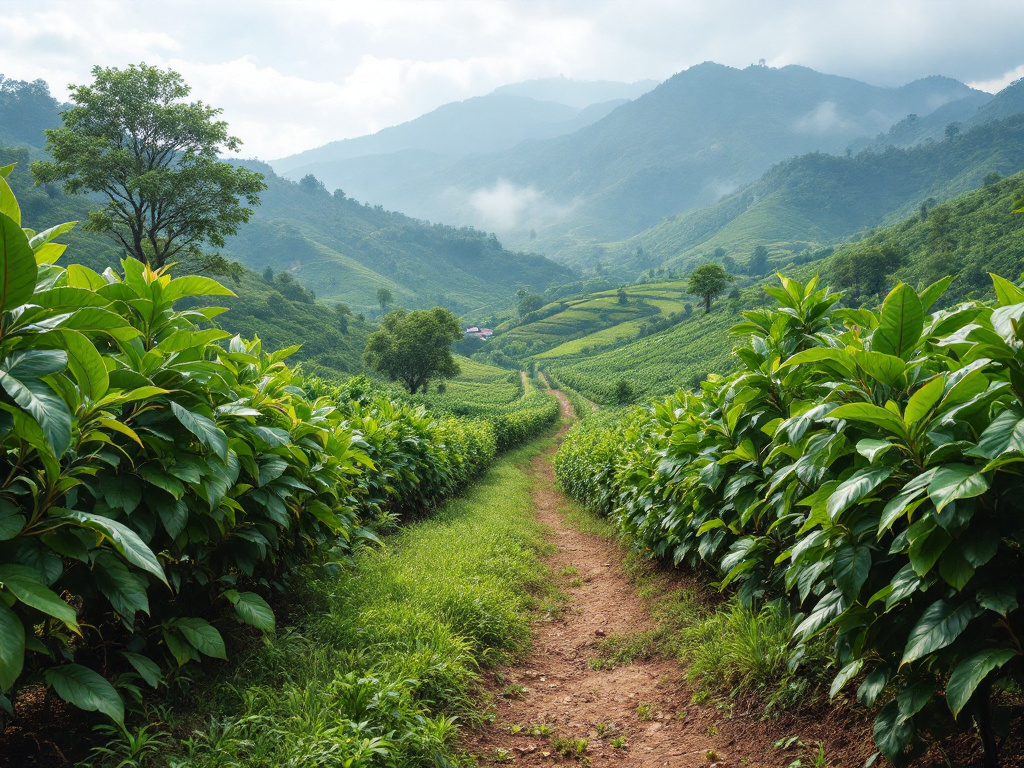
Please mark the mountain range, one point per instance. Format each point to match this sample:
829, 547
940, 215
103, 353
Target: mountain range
699, 135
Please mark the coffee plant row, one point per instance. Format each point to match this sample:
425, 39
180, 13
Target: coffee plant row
867, 466
161, 479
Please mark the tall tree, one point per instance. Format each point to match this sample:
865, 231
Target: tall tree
758, 264
708, 281
414, 347
384, 298
132, 138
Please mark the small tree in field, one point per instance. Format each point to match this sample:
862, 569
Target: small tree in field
384, 298
131, 138
708, 281
414, 347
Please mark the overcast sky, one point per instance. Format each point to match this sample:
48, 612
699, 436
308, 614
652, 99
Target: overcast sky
294, 74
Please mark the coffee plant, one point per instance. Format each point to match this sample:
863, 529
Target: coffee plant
866, 466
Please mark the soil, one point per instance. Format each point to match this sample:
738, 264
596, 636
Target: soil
646, 703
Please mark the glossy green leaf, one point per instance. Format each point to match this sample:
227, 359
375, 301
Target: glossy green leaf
892, 732
956, 481
846, 674
124, 539
870, 414
902, 320
857, 487
146, 667
86, 364
851, 566
970, 672
86, 690
12, 647
924, 399
17, 265
202, 636
934, 292
1006, 292
205, 429
252, 609
939, 625
23, 582
9, 203
193, 285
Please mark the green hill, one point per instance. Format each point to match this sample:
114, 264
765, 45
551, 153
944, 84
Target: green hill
817, 199
967, 237
344, 251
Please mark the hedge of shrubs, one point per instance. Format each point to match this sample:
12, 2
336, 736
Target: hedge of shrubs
866, 466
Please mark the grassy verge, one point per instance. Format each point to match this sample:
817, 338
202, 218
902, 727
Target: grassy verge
385, 661
727, 649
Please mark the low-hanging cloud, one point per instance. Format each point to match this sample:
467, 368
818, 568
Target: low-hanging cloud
505, 207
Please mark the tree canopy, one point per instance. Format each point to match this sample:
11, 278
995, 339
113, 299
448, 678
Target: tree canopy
384, 297
708, 281
131, 138
414, 347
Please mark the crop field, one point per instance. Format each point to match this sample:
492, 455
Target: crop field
658, 364
479, 388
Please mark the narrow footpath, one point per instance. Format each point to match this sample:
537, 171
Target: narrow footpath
556, 708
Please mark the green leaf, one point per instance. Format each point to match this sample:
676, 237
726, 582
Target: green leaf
203, 637
44, 237
124, 539
887, 369
1004, 434
939, 625
12, 647
922, 401
870, 414
252, 609
17, 265
956, 481
1002, 600
40, 402
146, 667
86, 364
86, 689
23, 582
892, 732
914, 697
851, 567
846, 674
927, 543
11, 520
933, 292
970, 672
901, 322
954, 568
205, 429
1006, 292
9, 203
871, 449
193, 286
874, 683
125, 590
856, 488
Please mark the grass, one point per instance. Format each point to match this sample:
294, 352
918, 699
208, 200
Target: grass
387, 659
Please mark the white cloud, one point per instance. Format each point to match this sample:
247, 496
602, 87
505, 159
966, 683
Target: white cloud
294, 75
998, 83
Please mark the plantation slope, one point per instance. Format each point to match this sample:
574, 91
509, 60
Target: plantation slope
408, 625
593, 319
658, 364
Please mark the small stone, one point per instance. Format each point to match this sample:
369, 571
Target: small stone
600, 632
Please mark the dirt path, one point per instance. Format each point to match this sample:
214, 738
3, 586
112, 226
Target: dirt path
645, 704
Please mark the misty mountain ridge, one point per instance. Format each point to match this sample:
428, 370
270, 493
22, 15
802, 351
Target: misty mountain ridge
534, 109
698, 136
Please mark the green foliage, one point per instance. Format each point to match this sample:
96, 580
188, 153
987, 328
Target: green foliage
414, 347
163, 478
130, 138
869, 474
387, 663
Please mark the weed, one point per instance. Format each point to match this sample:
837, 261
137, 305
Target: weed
126, 749
645, 711
712, 730
569, 570
570, 747
605, 729
619, 742
620, 650
540, 731
502, 755
515, 730
711, 756
577, 582
514, 691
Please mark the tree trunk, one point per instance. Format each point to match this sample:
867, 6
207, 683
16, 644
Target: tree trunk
707, 304
990, 751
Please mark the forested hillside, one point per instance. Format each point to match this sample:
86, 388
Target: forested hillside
816, 200
344, 251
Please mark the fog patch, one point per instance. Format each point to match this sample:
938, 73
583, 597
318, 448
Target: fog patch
821, 120
504, 207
